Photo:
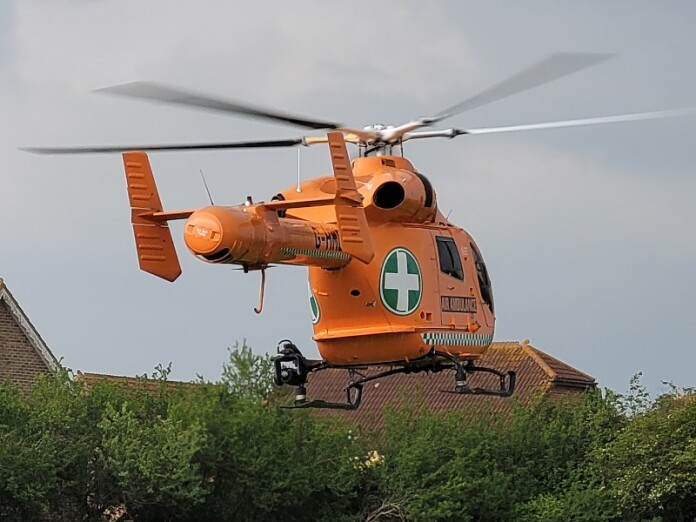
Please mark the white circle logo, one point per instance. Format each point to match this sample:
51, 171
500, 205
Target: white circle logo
400, 282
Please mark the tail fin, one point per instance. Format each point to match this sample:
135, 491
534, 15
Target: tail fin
153, 239
350, 214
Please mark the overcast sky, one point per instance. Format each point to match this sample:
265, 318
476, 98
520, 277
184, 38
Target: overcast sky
588, 232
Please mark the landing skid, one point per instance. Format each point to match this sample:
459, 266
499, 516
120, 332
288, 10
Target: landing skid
292, 368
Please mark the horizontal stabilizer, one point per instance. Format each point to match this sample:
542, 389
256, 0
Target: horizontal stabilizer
153, 239
287, 204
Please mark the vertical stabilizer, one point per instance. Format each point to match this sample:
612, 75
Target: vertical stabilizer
153, 239
353, 230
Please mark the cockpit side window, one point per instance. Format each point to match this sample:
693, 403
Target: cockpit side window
450, 262
483, 279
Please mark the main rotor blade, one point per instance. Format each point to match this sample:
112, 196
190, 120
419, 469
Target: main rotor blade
193, 146
555, 66
165, 94
585, 121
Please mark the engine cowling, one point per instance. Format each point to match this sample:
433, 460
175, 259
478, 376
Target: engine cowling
400, 195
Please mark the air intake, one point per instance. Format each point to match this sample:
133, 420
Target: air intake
389, 195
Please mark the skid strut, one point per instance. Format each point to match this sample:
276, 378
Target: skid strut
462, 369
292, 368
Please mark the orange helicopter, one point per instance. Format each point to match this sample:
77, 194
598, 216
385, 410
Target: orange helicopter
392, 282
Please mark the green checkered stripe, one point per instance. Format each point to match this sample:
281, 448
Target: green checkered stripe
319, 254
456, 339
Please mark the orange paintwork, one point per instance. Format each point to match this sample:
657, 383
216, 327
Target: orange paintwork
353, 228
370, 236
256, 237
153, 240
359, 329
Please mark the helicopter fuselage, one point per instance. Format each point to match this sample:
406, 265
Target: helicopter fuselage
425, 288
422, 289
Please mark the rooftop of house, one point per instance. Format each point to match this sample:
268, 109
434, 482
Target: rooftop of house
537, 373
145, 383
23, 353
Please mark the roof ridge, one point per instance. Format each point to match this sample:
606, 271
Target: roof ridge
537, 358
143, 377
565, 367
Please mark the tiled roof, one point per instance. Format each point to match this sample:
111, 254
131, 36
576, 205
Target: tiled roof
90, 379
561, 372
537, 373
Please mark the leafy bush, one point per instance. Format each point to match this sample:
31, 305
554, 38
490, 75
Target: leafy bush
225, 451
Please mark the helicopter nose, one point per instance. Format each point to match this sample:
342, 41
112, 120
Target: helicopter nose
203, 232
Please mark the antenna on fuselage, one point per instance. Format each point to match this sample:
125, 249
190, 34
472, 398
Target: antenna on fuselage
299, 169
205, 184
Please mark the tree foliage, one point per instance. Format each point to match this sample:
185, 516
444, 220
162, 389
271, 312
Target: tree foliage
225, 451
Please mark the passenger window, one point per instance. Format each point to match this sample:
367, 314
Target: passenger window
450, 263
483, 279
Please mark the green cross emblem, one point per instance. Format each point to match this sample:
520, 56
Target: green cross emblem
401, 285
313, 306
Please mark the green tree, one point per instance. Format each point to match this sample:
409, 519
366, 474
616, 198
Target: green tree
651, 466
262, 462
247, 374
226, 451
153, 463
455, 466
27, 461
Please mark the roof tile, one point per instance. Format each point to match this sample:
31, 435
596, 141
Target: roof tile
537, 373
